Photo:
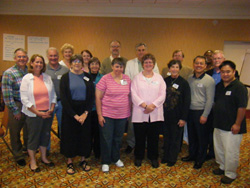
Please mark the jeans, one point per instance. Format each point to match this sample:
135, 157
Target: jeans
111, 139
58, 112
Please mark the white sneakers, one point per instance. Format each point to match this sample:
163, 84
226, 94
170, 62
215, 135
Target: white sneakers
105, 167
119, 163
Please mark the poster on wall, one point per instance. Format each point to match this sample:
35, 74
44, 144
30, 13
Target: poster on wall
10, 43
38, 45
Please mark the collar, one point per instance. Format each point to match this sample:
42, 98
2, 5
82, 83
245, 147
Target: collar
50, 68
200, 77
111, 57
18, 68
231, 84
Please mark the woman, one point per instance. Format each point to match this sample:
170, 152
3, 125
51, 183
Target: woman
38, 98
86, 55
77, 96
113, 109
176, 108
148, 95
94, 67
67, 51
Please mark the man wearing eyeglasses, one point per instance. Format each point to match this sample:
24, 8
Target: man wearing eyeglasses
115, 48
11, 82
185, 71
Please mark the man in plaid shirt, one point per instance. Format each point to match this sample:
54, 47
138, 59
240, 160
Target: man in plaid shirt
11, 82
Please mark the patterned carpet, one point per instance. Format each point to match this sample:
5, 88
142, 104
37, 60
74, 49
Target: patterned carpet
180, 175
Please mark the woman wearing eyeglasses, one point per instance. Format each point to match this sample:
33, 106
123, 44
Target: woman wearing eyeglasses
77, 96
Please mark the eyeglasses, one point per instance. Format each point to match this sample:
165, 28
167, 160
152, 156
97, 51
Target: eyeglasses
76, 61
21, 57
115, 46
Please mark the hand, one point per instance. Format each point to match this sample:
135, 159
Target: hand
82, 118
50, 111
203, 120
77, 117
101, 120
181, 123
235, 129
17, 116
150, 108
43, 115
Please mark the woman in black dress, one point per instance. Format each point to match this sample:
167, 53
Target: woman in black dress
176, 108
77, 96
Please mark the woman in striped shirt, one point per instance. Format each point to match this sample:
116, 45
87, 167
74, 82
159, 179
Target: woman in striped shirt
113, 109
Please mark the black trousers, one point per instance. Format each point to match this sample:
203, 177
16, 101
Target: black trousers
173, 136
197, 136
147, 131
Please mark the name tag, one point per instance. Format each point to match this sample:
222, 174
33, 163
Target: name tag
176, 86
199, 85
124, 82
228, 93
59, 77
155, 82
86, 78
169, 74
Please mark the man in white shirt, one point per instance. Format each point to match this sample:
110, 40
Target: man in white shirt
133, 67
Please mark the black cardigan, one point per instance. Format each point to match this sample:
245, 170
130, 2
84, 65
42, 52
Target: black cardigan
66, 98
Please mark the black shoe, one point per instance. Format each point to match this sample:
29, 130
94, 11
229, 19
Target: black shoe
218, 171
37, 169
50, 164
164, 161
226, 180
197, 165
137, 162
187, 159
21, 162
128, 150
170, 164
155, 163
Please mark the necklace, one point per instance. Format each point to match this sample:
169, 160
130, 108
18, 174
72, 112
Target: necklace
173, 80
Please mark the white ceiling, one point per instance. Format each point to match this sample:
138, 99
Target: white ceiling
214, 9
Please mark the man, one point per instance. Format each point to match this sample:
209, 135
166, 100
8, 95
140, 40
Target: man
185, 72
202, 94
133, 67
11, 83
209, 59
55, 70
217, 58
115, 47
229, 122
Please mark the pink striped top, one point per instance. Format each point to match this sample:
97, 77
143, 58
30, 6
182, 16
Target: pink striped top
116, 98
41, 94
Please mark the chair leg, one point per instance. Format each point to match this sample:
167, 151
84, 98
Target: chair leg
8, 146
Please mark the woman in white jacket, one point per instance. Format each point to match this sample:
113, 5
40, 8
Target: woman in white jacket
38, 98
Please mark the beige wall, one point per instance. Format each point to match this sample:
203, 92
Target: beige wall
163, 36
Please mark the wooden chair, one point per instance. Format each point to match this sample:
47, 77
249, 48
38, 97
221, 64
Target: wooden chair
4, 128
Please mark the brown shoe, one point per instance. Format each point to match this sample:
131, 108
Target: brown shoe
218, 171
226, 180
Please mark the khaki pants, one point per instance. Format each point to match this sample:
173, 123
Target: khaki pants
15, 127
227, 151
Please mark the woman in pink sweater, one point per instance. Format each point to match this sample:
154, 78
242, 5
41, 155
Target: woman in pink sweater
148, 91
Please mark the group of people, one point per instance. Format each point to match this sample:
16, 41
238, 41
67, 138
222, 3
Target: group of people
94, 102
